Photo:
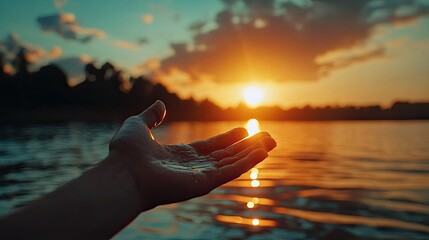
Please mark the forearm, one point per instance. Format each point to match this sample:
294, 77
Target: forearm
96, 205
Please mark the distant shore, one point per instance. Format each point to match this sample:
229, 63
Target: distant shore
398, 111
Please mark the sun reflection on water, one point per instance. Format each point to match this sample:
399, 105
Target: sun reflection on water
246, 221
255, 183
255, 222
252, 127
250, 202
255, 200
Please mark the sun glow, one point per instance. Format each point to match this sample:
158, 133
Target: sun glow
255, 222
255, 183
253, 95
252, 127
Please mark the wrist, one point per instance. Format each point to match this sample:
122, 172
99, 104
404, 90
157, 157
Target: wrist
129, 181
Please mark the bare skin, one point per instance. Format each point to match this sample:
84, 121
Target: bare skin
138, 174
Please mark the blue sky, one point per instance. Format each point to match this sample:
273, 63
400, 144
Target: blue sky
120, 20
297, 52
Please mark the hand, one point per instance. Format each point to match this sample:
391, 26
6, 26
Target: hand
138, 174
172, 173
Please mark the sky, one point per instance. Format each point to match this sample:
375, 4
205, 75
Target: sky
296, 52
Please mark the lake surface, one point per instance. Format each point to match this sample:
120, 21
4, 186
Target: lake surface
325, 180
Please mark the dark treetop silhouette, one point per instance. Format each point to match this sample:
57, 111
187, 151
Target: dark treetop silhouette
138, 174
44, 95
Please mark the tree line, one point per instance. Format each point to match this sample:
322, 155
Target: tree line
44, 95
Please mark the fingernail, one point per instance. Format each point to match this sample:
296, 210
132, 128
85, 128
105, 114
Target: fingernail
159, 110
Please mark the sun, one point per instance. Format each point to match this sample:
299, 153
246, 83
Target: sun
253, 95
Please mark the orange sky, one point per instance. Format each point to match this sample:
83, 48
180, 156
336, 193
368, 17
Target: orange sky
402, 73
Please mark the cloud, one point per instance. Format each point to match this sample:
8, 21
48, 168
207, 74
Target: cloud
67, 26
56, 52
147, 67
147, 18
344, 58
281, 40
126, 45
143, 41
59, 4
12, 44
197, 26
35, 54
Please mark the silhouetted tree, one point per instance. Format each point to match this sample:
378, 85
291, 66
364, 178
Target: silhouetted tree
21, 62
50, 86
139, 93
101, 92
2, 63
90, 71
107, 70
102, 87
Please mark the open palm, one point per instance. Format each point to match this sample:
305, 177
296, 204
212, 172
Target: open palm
172, 173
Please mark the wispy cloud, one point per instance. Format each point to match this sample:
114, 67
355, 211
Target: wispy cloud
344, 58
59, 4
12, 44
126, 45
147, 18
67, 26
143, 41
147, 67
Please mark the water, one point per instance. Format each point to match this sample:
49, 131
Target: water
325, 180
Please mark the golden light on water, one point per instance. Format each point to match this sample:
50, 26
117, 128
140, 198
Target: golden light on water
253, 202
253, 95
254, 176
252, 127
255, 222
246, 221
254, 173
229, 219
255, 183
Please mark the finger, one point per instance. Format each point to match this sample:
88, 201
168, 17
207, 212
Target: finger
233, 171
220, 141
154, 114
266, 143
238, 147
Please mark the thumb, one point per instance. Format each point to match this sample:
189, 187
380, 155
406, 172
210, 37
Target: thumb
154, 114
